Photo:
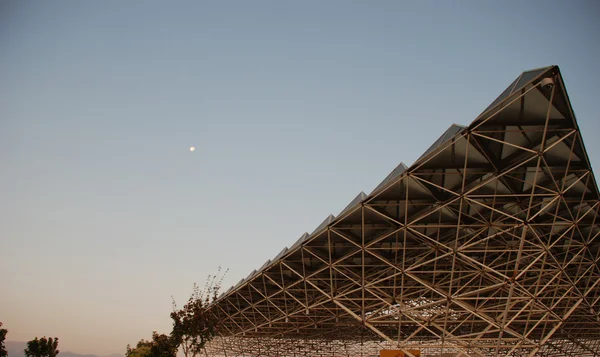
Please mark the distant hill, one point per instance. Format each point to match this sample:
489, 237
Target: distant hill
15, 349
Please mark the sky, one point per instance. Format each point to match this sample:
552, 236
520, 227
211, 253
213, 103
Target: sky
293, 107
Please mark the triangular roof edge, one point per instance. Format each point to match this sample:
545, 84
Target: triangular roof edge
396, 172
572, 112
283, 251
323, 224
299, 240
264, 265
355, 201
452, 131
514, 87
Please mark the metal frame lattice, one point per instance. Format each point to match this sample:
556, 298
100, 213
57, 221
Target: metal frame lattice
488, 245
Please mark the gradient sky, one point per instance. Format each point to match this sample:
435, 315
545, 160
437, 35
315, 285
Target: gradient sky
294, 108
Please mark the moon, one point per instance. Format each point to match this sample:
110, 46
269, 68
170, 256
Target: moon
192, 149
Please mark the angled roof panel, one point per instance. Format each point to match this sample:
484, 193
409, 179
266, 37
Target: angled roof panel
528, 76
283, 251
238, 283
251, 274
324, 224
447, 135
355, 202
516, 85
266, 264
391, 176
300, 240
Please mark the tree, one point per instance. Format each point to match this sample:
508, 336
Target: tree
44, 347
3, 332
193, 325
160, 346
163, 346
141, 350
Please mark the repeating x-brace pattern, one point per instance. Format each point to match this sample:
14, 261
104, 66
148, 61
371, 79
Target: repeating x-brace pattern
488, 245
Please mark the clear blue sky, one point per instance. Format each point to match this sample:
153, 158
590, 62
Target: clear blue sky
294, 108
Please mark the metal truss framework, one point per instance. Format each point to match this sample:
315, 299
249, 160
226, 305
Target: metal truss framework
488, 245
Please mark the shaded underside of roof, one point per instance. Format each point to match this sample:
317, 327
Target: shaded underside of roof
489, 244
519, 83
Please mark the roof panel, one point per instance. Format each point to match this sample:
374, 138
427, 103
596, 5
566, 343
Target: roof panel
238, 283
283, 251
300, 240
251, 274
517, 84
355, 202
528, 76
324, 224
266, 264
447, 135
392, 175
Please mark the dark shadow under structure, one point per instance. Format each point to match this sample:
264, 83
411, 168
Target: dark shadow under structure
488, 245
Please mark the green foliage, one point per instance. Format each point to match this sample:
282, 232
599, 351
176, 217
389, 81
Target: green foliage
141, 350
43, 347
3, 332
160, 346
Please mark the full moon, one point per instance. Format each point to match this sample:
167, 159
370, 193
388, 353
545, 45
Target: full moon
192, 149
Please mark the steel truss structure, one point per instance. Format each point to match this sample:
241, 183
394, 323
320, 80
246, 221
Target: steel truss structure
488, 245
